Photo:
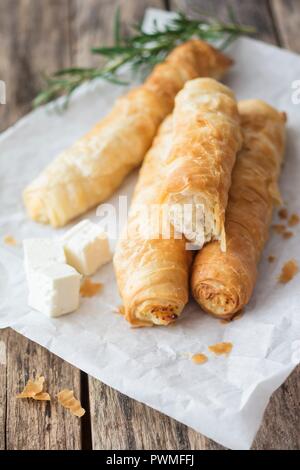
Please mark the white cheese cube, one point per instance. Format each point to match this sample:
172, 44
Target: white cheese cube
54, 289
41, 252
86, 247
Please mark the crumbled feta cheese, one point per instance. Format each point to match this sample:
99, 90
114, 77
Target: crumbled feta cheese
54, 289
86, 247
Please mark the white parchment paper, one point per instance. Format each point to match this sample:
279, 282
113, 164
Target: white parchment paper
224, 398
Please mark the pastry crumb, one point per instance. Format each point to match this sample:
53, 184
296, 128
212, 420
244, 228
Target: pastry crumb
10, 240
271, 258
293, 220
287, 234
120, 309
278, 228
34, 389
89, 288
199, 358
288, 271
67, 400
283, 213
221, 348
43, 396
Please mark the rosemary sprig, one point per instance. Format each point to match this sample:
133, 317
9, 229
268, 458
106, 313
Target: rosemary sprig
141, 51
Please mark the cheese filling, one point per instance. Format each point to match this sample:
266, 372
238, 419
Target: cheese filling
189, 216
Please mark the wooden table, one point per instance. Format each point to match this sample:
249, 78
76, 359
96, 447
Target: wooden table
41, 36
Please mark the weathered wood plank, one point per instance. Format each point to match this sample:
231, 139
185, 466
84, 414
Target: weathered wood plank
92, 22
34, 39
287, 18
121, 423
3, 375
255, 13
39, 425
32, 42
281, 425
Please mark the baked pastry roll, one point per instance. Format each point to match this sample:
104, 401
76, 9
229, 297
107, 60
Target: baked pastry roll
206, 138
152, 271
222, 283
90, 171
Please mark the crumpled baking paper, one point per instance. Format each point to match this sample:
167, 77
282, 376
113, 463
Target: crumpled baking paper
224, 398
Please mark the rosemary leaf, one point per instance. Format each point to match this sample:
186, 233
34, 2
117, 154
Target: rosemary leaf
117, 26
111, 51
114, 80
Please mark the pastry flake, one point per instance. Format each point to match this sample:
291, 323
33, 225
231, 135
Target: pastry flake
288, 271
67, 400
43, 396
10, 240
89, 288
294, 219
287, 234
34, 389
283, 213
221, 348
199, 358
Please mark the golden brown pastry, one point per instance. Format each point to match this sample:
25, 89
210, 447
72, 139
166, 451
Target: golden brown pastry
90, 171
152, 272
206, 138
222, 283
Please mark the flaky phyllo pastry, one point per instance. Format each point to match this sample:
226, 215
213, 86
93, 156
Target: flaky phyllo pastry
90, 171
206, 138
222, 283
152, 271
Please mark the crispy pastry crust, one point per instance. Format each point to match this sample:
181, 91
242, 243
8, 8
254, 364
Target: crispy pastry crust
152, 273
206, 138
90, 171
222, 283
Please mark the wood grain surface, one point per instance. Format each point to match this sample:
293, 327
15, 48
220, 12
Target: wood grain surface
253, 13
32, 424
33, 42
286, 16
3, 377
91, 24
40, 37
